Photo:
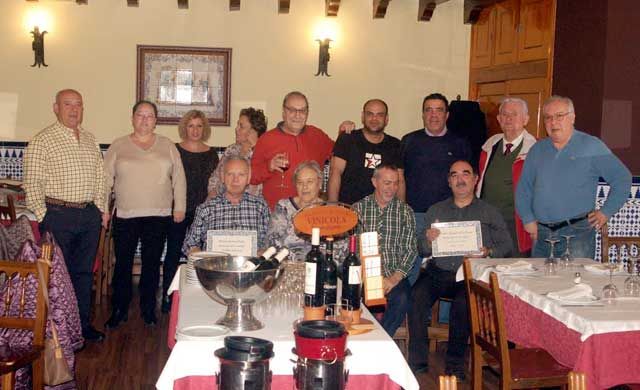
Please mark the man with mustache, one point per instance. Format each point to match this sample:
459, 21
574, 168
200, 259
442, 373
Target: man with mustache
557, 190
439, 278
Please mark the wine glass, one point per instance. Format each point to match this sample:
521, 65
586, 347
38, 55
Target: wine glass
551, 263
610, 291
567, 257
284, 165
632, 283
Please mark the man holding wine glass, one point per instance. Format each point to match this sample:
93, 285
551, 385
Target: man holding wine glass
290, 143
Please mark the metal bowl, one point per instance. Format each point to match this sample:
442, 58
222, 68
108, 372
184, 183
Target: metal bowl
224, 281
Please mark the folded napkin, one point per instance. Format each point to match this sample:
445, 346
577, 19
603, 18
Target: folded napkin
603, 269
519, 265
580, 291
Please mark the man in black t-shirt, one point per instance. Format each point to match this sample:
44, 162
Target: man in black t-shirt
357, 154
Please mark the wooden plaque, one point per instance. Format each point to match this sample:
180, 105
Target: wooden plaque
372, 270
332, 218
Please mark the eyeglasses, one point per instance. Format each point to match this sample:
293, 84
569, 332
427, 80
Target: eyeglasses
558, 116
301, 111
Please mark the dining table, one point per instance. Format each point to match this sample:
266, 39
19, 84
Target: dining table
375, 361
596, 336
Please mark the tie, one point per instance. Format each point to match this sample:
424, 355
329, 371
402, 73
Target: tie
508, 148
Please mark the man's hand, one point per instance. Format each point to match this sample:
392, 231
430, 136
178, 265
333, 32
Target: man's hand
432, 234
178, 216
389, 283
532, 229
597, 219
277, 162
346, 127
105, 220
194, 249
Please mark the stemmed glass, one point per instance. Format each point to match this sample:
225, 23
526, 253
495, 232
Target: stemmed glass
610, 291
551, 263
284, 165
567, 257
632, 283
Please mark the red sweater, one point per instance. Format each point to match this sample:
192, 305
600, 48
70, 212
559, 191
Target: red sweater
311, 144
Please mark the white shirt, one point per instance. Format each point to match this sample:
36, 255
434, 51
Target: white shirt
514, 144
441, 134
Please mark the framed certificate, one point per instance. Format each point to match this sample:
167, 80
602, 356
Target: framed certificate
233, 242
457, 238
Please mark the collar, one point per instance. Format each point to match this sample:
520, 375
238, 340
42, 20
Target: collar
280, 127
515, 143
442, 134
70, 130
453, 205
224, 198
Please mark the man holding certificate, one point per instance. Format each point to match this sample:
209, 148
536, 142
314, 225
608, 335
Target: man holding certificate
233, 209
461, 226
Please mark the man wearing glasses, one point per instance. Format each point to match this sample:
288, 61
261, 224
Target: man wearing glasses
557, 190
280, 150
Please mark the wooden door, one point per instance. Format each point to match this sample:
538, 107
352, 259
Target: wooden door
534, 92
482, 39
489, 96
535, 29
506, 38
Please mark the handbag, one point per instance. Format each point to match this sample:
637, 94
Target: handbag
56, 369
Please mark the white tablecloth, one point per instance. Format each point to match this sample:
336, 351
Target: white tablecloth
623, 315
373, 353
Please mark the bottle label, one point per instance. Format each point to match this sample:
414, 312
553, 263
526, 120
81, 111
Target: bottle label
355, 276
310, 278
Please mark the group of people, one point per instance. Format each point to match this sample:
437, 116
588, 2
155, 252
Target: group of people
523, 192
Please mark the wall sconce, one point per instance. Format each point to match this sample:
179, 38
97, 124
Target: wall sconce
38, 47
38, 21
325, 33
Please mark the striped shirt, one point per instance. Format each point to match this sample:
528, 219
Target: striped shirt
59, 166
252, 213
396, 227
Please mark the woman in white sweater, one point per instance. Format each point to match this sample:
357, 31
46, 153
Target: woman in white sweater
145, 172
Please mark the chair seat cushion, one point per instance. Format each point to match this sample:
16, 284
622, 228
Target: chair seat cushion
533, 363
14, 357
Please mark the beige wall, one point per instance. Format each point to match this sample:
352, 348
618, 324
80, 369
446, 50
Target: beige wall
93, 48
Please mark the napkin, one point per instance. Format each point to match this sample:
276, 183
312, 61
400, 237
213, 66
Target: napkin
578, 292
602, 269
519, 265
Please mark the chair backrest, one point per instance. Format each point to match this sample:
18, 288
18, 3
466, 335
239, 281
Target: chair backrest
616, 244
486, 315
448, 382
16, 281
577, 381
9, 211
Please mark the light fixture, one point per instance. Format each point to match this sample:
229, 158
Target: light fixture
38, 21
325, 33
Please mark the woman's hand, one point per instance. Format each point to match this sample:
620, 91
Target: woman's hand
178, 216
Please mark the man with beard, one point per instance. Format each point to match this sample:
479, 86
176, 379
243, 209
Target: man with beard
357, 154
439, 278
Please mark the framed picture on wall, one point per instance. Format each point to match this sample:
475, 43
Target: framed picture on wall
179, 79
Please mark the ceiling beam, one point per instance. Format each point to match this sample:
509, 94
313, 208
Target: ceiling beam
234, 5
283, 6
183, 4
82, 1
133, 3
380, 8
331, 7
426, 9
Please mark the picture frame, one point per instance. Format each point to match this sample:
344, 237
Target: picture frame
179, 79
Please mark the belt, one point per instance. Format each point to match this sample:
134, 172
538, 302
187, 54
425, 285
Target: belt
64, 203
560, 225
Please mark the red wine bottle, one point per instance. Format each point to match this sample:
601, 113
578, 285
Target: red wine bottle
352, 277
330, 277
313, 272
253, 263
273, 262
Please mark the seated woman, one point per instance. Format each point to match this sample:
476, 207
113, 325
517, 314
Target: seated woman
251, 125
307, 179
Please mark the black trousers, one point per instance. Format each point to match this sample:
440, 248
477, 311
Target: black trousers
152, 232
175, 238
77, 232
431, 285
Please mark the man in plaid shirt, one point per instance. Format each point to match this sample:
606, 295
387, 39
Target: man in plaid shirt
64, 184
393, 219
233, 209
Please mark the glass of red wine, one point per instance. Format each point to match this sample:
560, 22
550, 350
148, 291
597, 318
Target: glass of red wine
284, 165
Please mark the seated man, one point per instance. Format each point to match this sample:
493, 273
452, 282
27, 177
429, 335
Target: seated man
233, 209
439, 279
393, 219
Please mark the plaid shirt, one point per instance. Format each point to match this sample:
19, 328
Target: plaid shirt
396, 227
219, 214
59, 166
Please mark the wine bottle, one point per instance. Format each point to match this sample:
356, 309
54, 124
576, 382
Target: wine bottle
254, 262
313, 272
352, 277
330, 277
273, 262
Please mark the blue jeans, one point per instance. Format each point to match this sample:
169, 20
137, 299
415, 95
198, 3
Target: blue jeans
398, 304
583, 244
414, 272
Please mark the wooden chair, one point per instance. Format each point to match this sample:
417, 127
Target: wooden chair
438, 331
519, 368
401, 337
9, 211
577, 381
617, 243
12, 359
448, 382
